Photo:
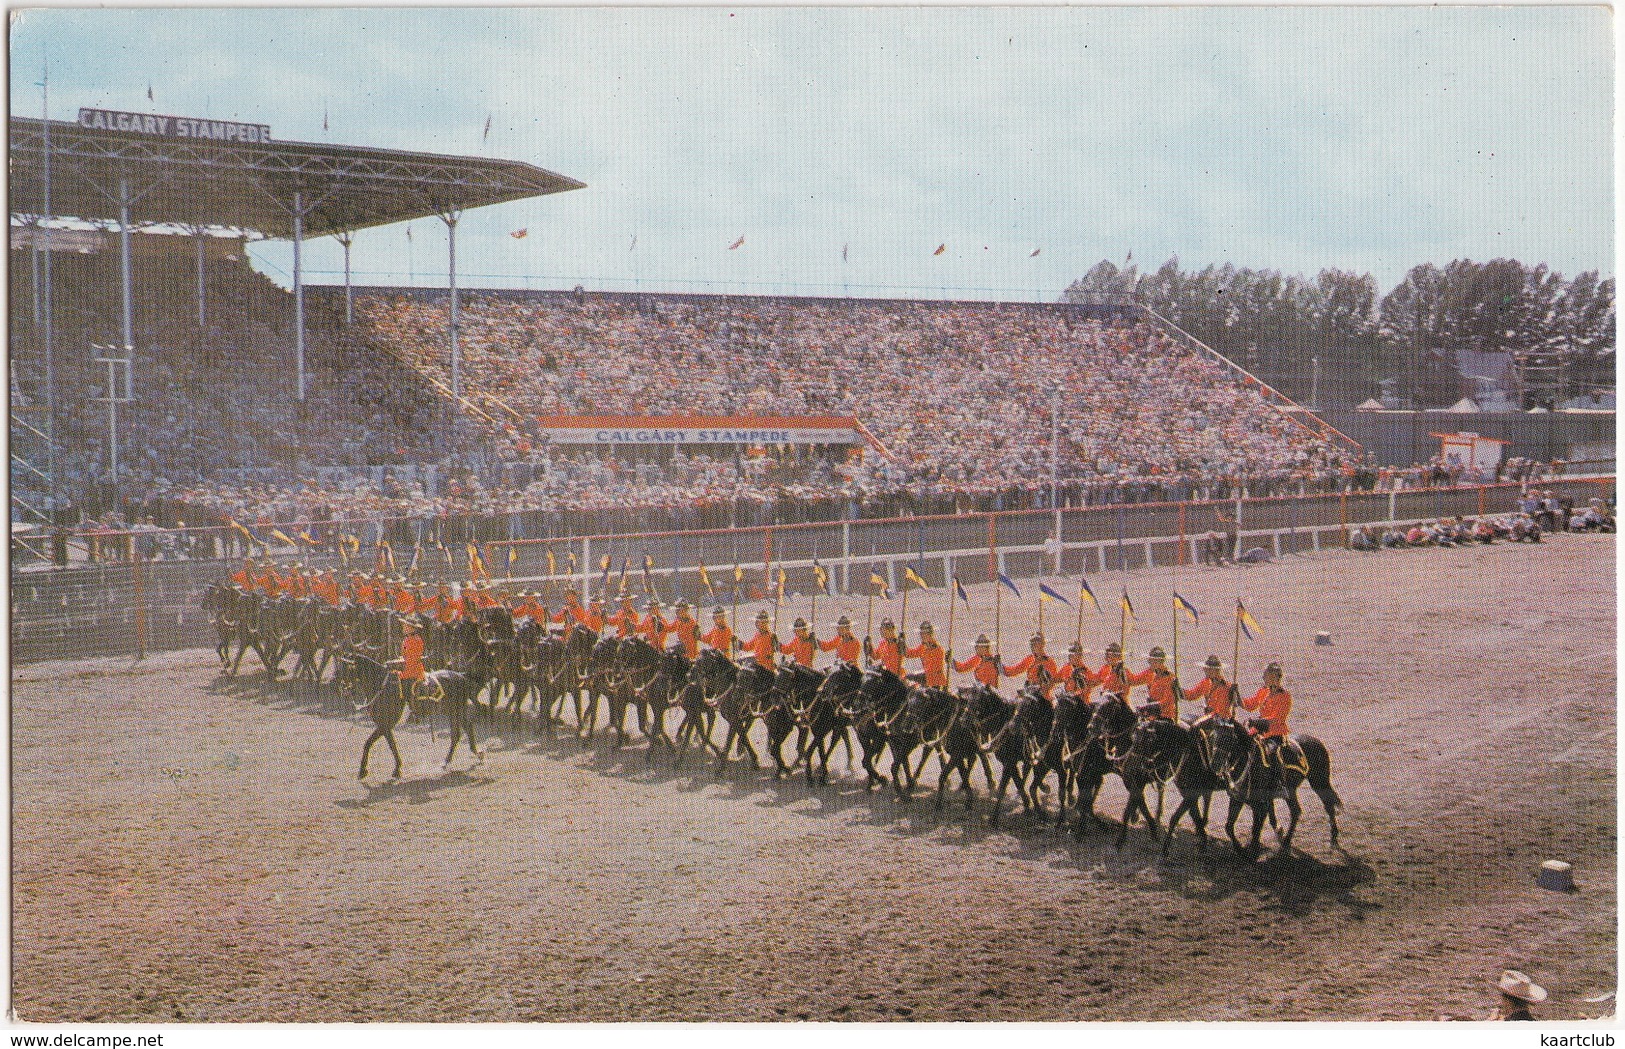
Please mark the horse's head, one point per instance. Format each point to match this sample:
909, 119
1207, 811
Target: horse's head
882, 690
713, 672
1113, 721
840, 687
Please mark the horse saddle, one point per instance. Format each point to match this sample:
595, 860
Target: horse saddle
1284, 753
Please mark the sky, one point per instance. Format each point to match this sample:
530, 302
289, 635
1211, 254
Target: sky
1292, 138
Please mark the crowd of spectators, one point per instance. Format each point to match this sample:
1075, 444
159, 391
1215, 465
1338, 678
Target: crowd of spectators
960, 395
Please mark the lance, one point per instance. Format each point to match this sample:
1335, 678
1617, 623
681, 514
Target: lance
998, 618
1079, 638
1041, 604
1235, 658
902, 626
869, 619
953, 591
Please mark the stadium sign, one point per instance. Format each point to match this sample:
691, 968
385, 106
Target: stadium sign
679, 430
173, 127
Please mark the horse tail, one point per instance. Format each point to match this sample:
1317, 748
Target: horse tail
1319, 760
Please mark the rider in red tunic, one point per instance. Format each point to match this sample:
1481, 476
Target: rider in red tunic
802, 645
1040, 669
930, 655
847, 648
983, 666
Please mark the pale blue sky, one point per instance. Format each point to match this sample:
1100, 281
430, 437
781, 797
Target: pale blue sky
1296, 138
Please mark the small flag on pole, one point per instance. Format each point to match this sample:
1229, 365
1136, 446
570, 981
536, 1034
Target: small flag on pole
513, 555
476, 563
442, 547
574, 562
1128, 607
1182, 605
1046, 594
1086, 594
822, 577
878, 581
552, 562
1249, 625
1004, 580
782, 578
626, 570
737, 244
306, 538
940, 249
959, 592
739, 574
705, 579
282, 537
648, 566
911, 576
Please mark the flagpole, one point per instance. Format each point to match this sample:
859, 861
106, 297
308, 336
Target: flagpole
869, 619
1079, 639
998, 618
1041, 604
1235, 658
953, 591
902, 628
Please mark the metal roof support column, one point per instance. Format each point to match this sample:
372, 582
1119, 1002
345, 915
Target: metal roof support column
298, 293
202, 319
450, 219
124, 263
50, 342
345, 238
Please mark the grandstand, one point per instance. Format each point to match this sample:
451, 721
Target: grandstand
405, 408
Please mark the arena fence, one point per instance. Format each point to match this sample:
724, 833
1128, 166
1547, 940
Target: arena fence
141, 601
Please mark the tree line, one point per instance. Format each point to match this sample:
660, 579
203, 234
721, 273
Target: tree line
1334, 340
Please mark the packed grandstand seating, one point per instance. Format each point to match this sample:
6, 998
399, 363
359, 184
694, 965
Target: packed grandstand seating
959, 394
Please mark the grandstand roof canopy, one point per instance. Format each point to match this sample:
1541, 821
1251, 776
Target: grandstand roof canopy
251, 185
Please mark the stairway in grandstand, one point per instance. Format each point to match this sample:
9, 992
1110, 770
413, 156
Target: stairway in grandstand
1291, 409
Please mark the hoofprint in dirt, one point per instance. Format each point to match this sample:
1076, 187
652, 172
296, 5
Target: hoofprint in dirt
186, 847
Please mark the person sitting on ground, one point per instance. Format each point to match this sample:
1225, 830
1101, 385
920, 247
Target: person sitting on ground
1518, 992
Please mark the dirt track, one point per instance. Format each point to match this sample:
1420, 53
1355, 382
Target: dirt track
190, 848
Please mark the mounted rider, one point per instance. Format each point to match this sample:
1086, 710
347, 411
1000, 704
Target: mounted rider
762, 647
1040, 669
720, 637
1161, 684
1273, 704
653, 628
687, 630
801, 645
846, 647
1076, 677
625, 618
1219, 695
889, 651
984, 666
931, 658
1113, 676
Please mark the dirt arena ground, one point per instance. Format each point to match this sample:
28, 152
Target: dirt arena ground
191, 848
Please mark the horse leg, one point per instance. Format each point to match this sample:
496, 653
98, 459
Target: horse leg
389, 738
1329, 799
998, 796
377, 734
1295, 810
942, 781
1230, 822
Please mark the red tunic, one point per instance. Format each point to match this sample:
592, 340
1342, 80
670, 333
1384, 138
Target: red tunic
889, 654
800, 649
846, 648
931, 659
1273, 705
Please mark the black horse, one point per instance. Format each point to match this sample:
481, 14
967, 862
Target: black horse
1163, 751
1111, 724
740, 705
824, 722
947, 731
385, 701
1255, 780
